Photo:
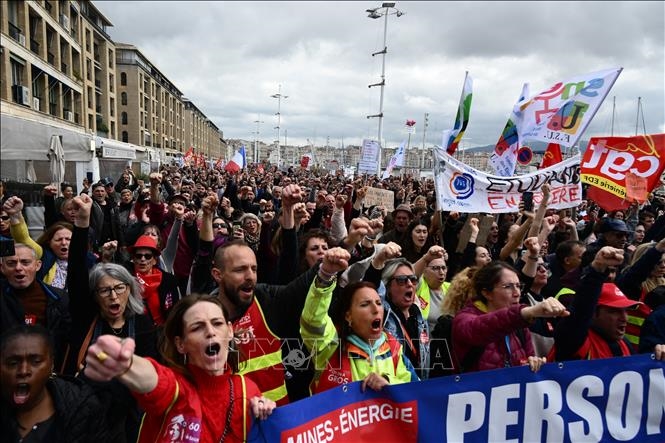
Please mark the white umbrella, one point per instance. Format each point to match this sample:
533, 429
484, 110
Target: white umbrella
56, 157
30, 174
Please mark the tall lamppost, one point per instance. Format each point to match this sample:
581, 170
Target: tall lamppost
279, 98
374, 13
256, 140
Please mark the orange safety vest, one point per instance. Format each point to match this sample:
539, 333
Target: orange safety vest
261, 354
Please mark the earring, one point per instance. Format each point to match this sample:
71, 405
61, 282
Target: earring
184, 358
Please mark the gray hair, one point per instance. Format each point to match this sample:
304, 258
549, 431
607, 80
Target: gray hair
391, 267
250, 215
24, 245
118, 272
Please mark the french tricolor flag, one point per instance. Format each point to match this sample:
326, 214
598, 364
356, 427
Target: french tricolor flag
238, 161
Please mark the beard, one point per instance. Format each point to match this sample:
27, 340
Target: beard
234, 297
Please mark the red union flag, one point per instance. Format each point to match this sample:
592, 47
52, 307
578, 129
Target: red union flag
552, 156
608, 160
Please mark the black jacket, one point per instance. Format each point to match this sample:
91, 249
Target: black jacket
58, 319
80, 415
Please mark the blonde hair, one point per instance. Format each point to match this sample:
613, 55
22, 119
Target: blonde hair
650, 283
460, 290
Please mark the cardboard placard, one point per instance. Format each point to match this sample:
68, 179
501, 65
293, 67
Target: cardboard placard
636, 187
380, 197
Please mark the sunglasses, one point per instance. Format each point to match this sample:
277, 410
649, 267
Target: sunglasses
402, 279
4, 217
219, 225
147, 256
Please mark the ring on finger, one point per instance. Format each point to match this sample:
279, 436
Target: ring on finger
101, 356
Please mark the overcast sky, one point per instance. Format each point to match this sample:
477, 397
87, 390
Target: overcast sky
230, 57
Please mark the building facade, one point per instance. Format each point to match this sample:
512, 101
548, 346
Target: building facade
62, 75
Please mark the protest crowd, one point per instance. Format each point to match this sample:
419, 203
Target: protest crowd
189, 305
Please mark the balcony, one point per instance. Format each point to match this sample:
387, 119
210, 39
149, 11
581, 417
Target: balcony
34, 46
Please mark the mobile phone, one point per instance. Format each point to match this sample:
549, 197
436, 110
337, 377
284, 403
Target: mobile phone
527, 198
236, 227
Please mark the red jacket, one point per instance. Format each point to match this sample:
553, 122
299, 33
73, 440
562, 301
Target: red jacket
474, 327
178, 410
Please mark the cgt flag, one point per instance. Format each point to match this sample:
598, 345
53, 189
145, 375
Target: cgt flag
608, 160
462, 117
552, 156
561, 113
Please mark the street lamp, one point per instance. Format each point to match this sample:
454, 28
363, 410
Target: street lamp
256, 140
374, 13
279, 98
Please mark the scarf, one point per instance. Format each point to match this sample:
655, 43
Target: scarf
60, 279
370, 349
252, 241
150, 284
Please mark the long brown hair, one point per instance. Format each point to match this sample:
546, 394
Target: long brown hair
175, 327
47, 235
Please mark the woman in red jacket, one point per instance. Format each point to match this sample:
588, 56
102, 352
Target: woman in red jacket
197, 397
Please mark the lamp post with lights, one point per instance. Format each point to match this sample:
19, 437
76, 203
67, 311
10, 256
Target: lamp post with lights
279, 98
383, 11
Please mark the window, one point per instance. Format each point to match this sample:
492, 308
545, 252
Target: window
17, 72
123, 118
123, 99
123, 79
125, 136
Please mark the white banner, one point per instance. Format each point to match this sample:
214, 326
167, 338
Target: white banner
462, 188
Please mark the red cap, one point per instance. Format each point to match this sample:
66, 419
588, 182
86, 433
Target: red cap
612, 296
145, 241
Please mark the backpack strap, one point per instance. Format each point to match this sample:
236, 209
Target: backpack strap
84, 346
244, 408
474, 353
176, 393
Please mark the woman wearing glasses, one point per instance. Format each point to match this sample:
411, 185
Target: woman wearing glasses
491, 331
354, 346
432, 285
402, 317
105, 300
158, 288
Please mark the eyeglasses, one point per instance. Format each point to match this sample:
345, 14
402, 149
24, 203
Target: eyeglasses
543, 266
218, 225
147, 256
513, 286
402, 279
4, 217
117, 289
437, 268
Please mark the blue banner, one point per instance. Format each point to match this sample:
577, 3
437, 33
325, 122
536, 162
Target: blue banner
618, 399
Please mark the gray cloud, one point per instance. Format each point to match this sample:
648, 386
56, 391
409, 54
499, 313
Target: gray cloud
230, 57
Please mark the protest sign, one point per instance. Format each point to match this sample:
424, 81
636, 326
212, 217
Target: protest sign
379, 197
461, 188
618, 399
